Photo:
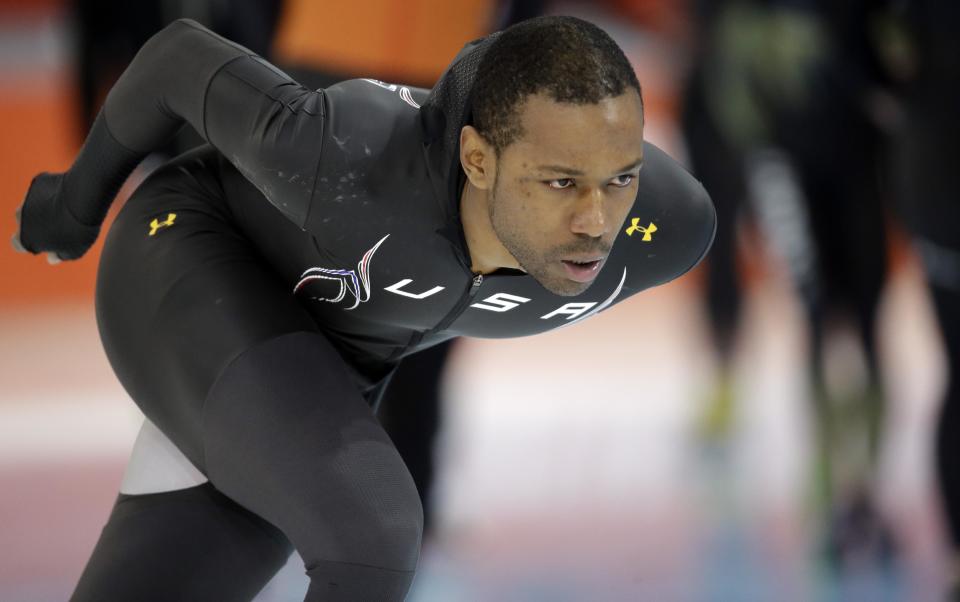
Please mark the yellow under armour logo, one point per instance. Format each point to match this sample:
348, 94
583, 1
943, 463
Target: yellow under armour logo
157, 224
647, 232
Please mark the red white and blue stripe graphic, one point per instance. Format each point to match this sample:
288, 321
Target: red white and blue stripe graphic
356, 282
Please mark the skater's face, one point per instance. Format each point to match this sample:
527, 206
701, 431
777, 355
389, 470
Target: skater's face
559, 193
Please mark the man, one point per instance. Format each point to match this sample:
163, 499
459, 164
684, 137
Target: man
254, 296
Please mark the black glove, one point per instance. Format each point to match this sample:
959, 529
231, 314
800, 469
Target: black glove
62, 213
45, 223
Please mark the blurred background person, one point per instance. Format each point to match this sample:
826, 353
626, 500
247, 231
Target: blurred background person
784, 121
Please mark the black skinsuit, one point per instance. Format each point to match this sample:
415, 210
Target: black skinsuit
257, 339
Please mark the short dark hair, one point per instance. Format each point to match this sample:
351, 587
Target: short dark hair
567, 58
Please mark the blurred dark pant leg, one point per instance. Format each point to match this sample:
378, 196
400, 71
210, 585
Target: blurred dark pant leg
720, 168
846, 206
947, 303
